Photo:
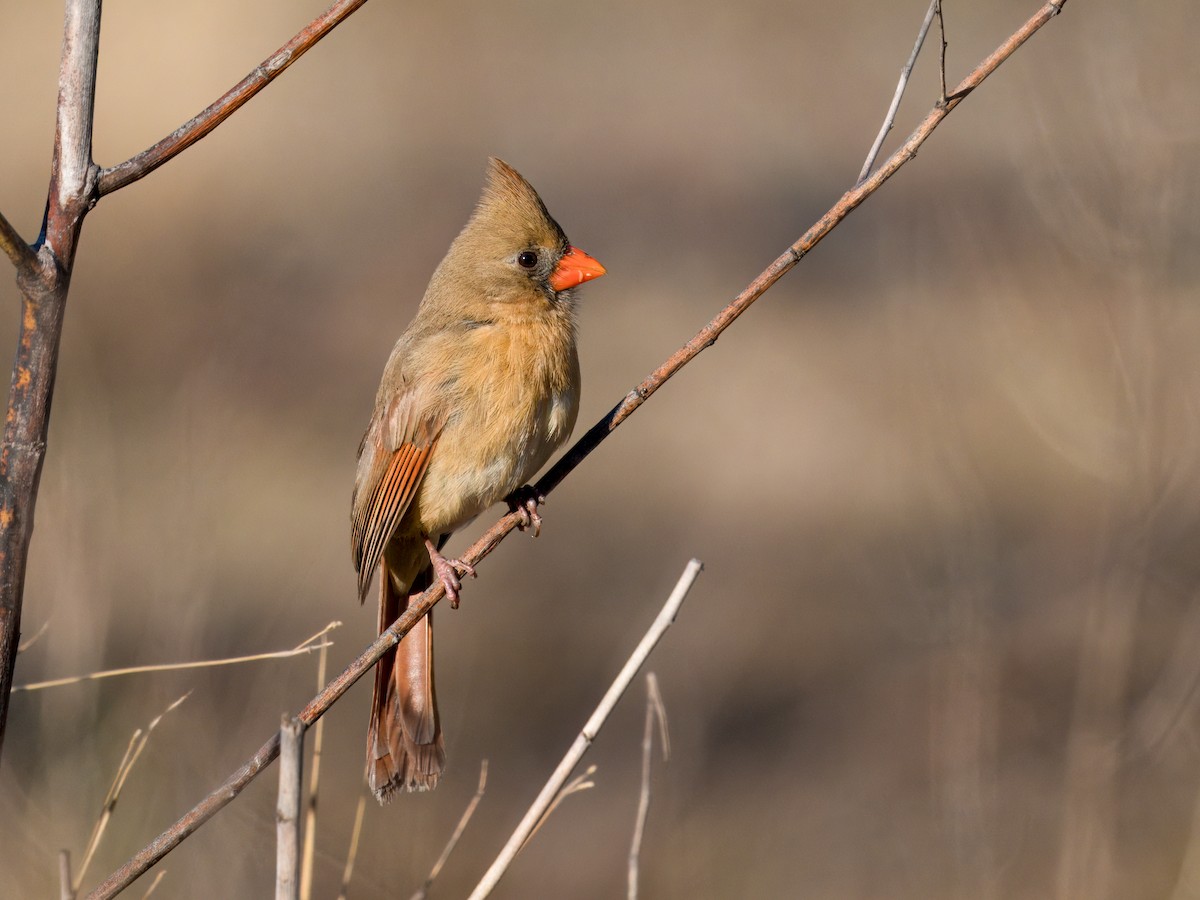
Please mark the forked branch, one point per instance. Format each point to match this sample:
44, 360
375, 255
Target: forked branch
44, 281
44, 276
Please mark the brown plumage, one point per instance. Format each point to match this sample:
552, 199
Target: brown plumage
480, 390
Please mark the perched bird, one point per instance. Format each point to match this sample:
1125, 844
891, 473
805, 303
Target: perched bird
480, 390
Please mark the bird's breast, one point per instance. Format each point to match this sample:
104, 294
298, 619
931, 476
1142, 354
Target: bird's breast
515, 404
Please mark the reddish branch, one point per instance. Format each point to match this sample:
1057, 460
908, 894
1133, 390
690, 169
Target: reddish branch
194, 129
708, 335
44, 276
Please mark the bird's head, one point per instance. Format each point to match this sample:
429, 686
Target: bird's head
511, 249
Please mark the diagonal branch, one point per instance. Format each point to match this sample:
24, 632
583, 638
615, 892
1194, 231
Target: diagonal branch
194, 129
783, 264
214, 802
14, 247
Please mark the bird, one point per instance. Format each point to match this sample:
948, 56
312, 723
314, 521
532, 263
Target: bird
479, 391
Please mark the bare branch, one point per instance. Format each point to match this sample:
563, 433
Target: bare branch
890, 119
73, 175
708, 335
287, 810
44, 285
20, 253
210, 805
194, 129
45, 278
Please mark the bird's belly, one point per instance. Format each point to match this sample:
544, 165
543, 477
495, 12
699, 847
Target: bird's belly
472, 468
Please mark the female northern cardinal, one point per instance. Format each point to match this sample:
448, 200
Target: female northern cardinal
480, 389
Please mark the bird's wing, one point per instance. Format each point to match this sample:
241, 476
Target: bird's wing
393, 458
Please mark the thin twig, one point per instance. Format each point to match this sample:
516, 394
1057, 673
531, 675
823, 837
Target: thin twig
654, 710
308, 857
235, 783
137, 744
201, 124
305, 647
890, 119
15, 248
287, 809
423, 891
942, 52
590, 729
352, 852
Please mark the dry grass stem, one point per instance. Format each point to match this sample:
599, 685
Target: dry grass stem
590, 729
287, 809
581, 782
423, 891
155, 883
137, 743
654, 711
352, 852
905, 72
306, 646
307, 858
34, 638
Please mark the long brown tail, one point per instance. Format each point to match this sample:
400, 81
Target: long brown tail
405, 750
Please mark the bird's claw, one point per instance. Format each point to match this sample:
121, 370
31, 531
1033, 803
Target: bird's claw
448, 572
525, 501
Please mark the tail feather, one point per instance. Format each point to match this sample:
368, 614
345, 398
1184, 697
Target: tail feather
405, 748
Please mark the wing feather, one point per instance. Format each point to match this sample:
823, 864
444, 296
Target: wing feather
394, 456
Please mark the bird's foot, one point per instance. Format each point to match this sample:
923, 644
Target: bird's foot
525, 500
447, 571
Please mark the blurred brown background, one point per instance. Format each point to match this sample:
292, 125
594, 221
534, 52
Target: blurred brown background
943, 477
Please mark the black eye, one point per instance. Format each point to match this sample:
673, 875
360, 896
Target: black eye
527, 260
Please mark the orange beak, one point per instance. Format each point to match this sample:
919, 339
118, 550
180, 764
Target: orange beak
574, 269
